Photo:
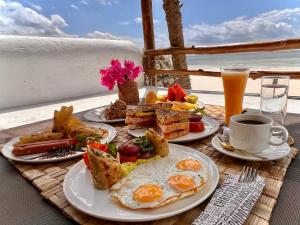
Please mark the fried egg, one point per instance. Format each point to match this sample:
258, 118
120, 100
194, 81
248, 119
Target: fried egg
161, 181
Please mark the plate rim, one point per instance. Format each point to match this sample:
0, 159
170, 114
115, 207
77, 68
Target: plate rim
7, 147
214, 130
214, 184
215, 138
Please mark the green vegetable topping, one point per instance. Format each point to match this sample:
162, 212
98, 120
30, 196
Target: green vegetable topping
198, 110
112, 149
82, 140
144, 143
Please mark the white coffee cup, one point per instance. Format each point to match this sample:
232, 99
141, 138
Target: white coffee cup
254, 138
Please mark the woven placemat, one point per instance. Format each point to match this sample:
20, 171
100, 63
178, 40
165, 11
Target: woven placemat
48, 178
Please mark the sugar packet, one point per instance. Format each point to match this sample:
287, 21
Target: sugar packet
232, 202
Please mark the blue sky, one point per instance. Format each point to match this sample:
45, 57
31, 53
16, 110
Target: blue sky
205, 21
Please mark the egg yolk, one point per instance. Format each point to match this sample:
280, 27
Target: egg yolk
148, 193
181, 183
189, 164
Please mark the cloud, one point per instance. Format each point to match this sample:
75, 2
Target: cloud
102, 35
124, 23
19, 20
34, 6
270, 25
140, 20
74, 6
161, 38
84, 2
107, 2
108, 36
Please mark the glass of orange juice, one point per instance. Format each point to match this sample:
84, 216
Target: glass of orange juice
234, 83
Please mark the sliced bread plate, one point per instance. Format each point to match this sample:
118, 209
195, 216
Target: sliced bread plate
8, 147
80, 192
211, 126
98, 115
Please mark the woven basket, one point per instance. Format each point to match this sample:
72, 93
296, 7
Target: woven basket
128, 92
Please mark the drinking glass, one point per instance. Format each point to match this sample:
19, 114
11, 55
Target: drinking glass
234, 83
273, 97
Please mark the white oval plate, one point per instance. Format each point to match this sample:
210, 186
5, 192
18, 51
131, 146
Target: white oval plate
269, 154
211, 126
8, 147
97, 115
80, 192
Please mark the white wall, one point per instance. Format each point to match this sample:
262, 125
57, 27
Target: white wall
36, 70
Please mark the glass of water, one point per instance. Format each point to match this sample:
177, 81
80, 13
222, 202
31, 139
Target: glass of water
273, 97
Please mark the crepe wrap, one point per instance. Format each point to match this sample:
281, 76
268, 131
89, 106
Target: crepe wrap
105, 170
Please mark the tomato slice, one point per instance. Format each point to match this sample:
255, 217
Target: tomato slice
127, 158
196, 126
86, 160
102, 147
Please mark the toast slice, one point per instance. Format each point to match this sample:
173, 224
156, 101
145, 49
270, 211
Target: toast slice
169, 116
174, 126
176, 134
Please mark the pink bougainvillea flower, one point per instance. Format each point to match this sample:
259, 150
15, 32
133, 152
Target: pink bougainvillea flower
134, 73
116, 74
106, 80
131, 71
115, 62
129, 65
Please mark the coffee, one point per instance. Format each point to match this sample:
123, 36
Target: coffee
254, 133
253, 122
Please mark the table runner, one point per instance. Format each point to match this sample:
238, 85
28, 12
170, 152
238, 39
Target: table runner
48, 179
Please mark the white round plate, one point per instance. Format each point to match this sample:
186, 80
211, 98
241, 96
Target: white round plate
211, 126
269, 154
97, 115
200, 104
8, 147
80, 192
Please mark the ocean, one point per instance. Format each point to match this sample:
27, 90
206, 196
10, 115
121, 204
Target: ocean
281, 60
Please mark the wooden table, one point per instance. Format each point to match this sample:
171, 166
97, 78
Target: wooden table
22, 204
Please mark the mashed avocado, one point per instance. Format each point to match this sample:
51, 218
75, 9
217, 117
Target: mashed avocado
129, 166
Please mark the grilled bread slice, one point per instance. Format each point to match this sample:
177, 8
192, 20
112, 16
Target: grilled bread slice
144, 110
174, 126
169, 116
176, 134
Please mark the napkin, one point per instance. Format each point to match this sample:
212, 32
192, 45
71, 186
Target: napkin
231, 203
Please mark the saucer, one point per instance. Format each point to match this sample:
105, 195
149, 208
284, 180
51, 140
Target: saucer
269, 154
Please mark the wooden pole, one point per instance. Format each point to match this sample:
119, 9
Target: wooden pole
253, 74
149, 43
235, 48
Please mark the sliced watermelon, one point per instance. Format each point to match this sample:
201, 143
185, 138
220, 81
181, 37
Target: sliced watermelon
171, 94
180, 93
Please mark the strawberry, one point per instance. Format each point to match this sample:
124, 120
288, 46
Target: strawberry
171, 94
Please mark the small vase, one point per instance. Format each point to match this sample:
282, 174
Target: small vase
128, 92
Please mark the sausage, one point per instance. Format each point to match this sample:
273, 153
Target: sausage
41, 143
40, 147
